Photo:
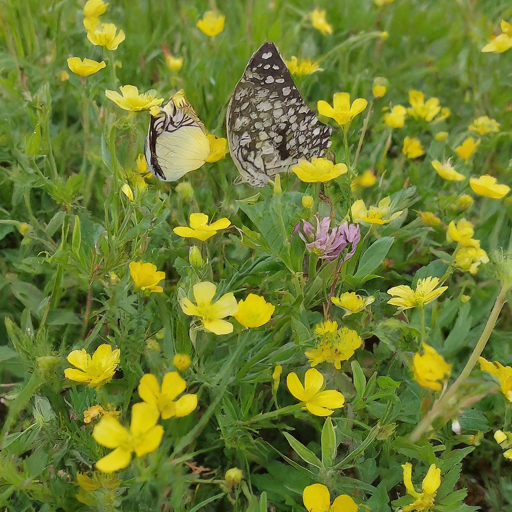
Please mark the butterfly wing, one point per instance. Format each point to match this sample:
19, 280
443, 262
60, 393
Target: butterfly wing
269, 126
176, 144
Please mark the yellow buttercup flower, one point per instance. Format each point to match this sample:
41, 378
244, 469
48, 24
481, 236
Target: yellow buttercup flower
173, 63
379, 88
484, 125
146, 277
318, 170
468, 259
316, 498
181, 362
486, 186
462, 233
430, 369
144, 436
199, 227
212, 24
218, 148
423, 501
429, 219
446, 171
302, 67
365, 180
502, 373
87, 67
327, 327
316, 401
441, 136
163, 400
412, 148
501, 43
467, 148
131, 99
334, 347
95, 8
94, 371
396, 118
342, 111
104, 34
421, 109
380, 214
254, 311
319, 22
210, 312
426, 291
352, 303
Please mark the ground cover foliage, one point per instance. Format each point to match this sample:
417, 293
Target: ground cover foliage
396, 393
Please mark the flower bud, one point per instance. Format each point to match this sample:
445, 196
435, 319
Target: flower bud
127, 191
195, 258
502, 265
379, 87
233, 476
308, 201
181, 362
500, 436
152, 344
24, 228
160, 334
464, 202
441, 136
113, 278
277, 185
185, 190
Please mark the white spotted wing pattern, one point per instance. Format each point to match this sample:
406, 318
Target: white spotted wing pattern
269, 126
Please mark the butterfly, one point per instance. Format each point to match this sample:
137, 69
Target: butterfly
176, 142
269, 126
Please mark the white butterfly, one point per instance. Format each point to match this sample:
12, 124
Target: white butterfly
176, 142
269, 126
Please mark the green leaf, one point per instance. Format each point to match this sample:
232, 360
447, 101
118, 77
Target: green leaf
374, 256
34, 141
305, 454
62, 317
328, 443
359, 379
263, 502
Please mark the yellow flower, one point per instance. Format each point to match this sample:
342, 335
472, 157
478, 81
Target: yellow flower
468, 259
412, 148
430, 369
423, 501
462, 233
127, 191
254, 311
464, 202
302, 67
342, 111
318, 170
317, 402
174, 63
501, 43
429, 219
365, 180
96, 370
96, 411
421, 109
376, 214
163, 399
199, 227
503, 373
486, 186
395, 118
426, 291
212, 23
142, 166
316, 498
446, 171
233, 476
334, 347
95, 8
104, 34
327, 327
131, 99
63, 75
218, 148
276, 377
210, 312
146, 277
181, 362
467, 148
441, 136
86, 67
484, 125
379, 88
319, 22
307, 201
143, 437
352, 303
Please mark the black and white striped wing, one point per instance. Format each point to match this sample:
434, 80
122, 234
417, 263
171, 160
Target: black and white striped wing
269, 126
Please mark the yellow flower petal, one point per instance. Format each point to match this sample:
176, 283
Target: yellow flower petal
316, 498
114, 461
218, 327
185, 405
149, 441
173, 385
149, 389
144, 418
295, 387
344, 503
110, 433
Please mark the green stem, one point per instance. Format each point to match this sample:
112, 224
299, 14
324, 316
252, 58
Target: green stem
290, 409
363, 132
440, 406
360, 449
86, 123
423, 335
